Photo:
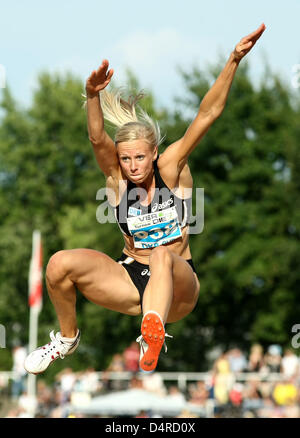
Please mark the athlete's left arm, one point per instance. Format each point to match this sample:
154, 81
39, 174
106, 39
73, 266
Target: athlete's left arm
212, 104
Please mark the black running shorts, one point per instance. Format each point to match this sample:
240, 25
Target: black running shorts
140, 273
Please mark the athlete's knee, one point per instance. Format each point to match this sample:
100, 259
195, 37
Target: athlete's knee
161, 255
58, 267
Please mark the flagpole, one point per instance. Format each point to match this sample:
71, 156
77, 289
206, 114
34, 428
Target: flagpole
31, 378
35, 303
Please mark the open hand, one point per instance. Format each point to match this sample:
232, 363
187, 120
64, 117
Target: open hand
246, 43
99, 79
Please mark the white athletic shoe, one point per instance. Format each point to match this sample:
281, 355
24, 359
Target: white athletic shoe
39, 360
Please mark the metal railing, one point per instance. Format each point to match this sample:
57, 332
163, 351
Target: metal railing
182, 378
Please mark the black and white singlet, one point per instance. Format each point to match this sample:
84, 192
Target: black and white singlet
159, 222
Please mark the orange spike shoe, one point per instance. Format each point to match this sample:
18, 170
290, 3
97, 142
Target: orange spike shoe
151, 340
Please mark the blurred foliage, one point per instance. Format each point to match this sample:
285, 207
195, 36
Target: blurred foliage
247, 256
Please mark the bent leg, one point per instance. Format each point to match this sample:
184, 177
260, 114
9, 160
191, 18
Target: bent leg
171, 294
100, 279
186, 289
158, 295
173, 287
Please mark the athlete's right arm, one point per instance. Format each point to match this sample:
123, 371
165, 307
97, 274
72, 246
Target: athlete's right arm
103, 145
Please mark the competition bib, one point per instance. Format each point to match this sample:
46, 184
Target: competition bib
153, 229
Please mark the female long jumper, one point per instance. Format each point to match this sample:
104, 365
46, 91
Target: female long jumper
146, 191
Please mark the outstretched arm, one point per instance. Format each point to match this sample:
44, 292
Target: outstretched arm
215, 99
104, 147
213, 102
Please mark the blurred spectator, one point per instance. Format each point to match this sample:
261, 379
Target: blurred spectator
154, 383
106, 383
136, 383
198, 393
87, 381
66, 380
26, 405
237, 360
222, 365
272, 359
290, 363
236, 394
252, 396
19, 354
252, 390
265, 388
117, 363
174, 392
46, 400
131, 357
223, 379
92, 382
285, 393
209, 383
256, 359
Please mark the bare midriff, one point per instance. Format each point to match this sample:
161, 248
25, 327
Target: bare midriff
179, 246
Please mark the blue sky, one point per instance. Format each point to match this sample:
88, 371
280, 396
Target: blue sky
152, 38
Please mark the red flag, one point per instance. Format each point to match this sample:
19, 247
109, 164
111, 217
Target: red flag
35, 273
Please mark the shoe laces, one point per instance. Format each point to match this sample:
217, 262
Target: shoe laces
57, 345
144, 345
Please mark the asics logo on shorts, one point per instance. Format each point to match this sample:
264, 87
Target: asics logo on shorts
146, 272
161, 206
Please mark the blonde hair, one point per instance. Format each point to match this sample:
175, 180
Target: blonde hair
131, 121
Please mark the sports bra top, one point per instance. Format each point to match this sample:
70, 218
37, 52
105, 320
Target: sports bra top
159, 222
